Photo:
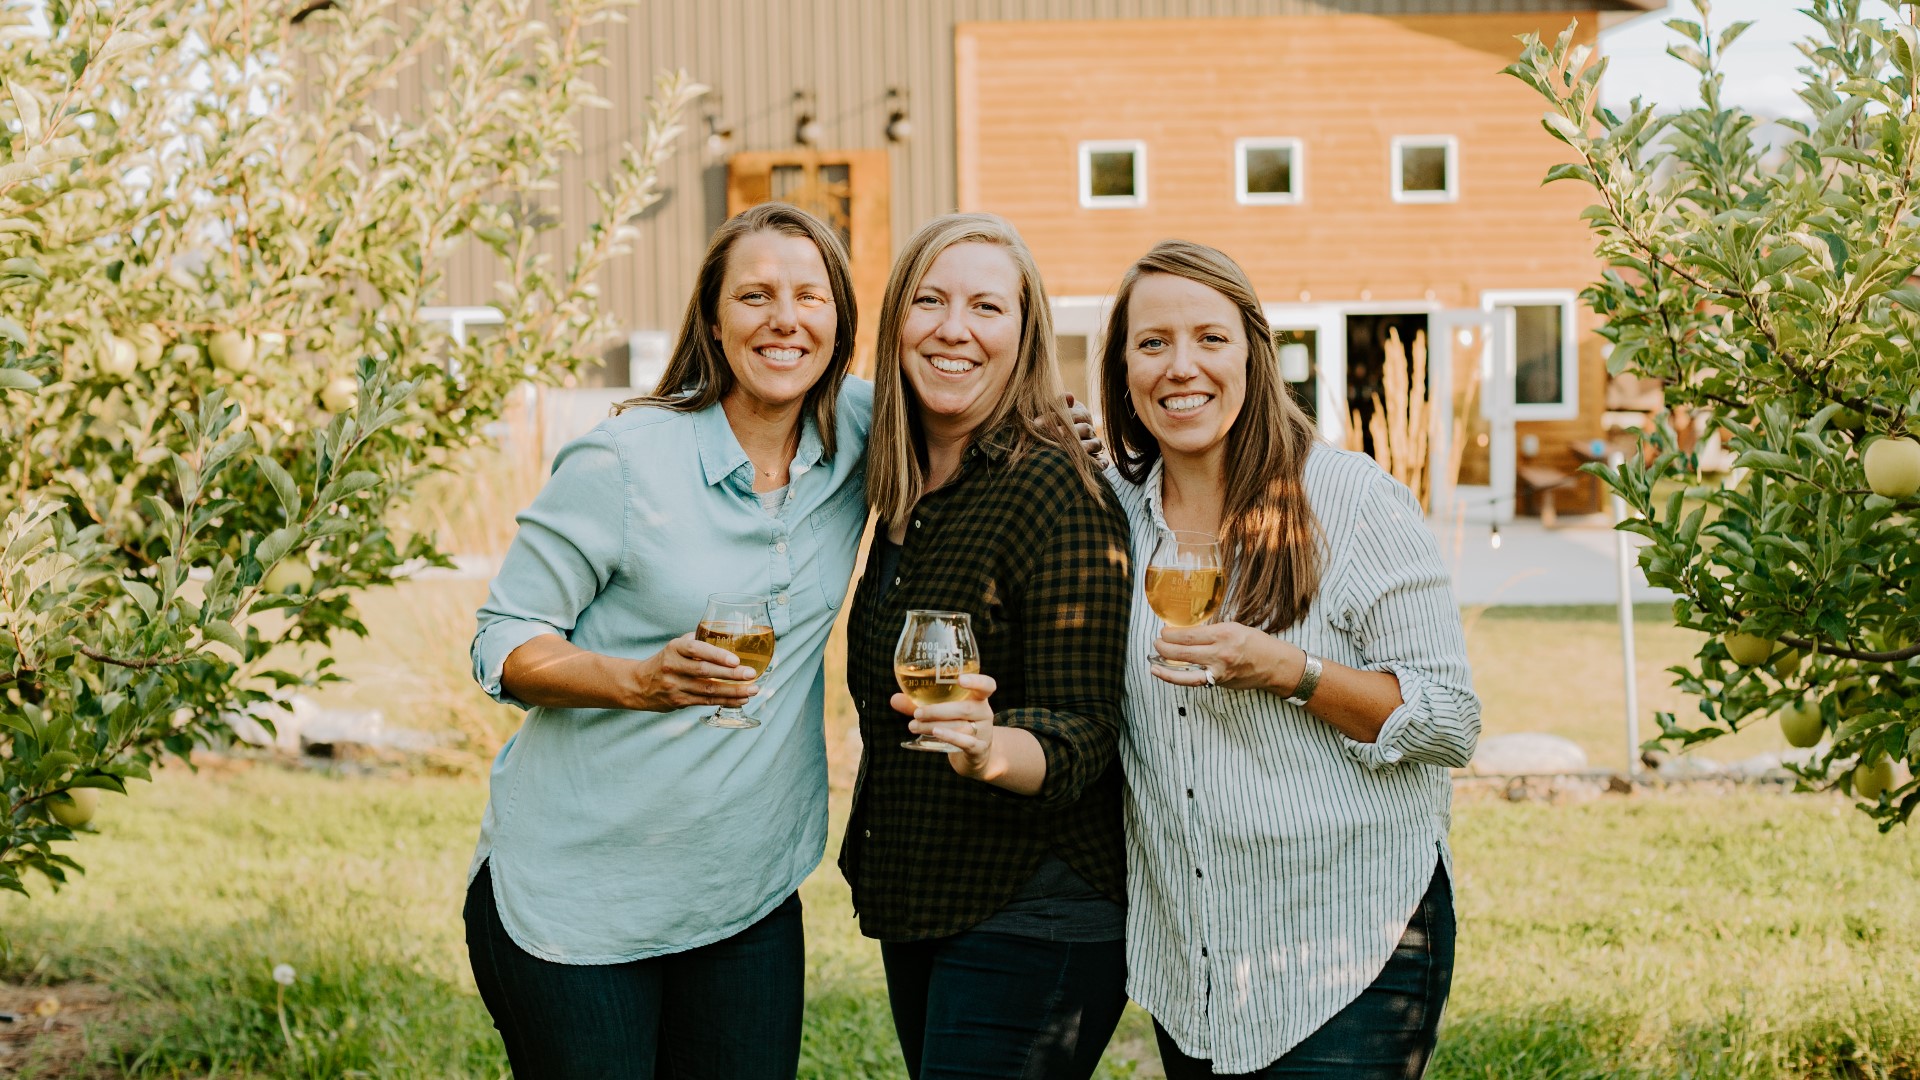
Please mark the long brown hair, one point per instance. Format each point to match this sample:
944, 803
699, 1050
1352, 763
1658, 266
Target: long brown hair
1032, 409
697, 373
1270, 537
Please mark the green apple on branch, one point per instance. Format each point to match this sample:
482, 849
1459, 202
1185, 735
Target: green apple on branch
1766, 274
216, 242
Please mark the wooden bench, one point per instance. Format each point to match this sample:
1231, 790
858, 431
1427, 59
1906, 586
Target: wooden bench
1537, 485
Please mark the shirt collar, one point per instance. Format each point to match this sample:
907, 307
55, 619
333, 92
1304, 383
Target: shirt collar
997, 444
1151, 485
720, 452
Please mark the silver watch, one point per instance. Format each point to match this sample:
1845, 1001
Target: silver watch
1309, 681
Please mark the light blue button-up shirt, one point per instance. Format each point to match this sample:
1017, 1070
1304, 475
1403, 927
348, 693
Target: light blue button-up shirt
617, 835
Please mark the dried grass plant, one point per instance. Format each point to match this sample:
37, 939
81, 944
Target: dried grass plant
1400, 424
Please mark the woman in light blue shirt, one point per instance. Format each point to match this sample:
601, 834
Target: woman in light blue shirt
632, 903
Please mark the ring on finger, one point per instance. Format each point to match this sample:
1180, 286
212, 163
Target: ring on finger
1212, 680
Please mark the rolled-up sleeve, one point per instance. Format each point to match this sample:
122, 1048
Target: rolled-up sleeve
1074, 610
1397, 603
567, 549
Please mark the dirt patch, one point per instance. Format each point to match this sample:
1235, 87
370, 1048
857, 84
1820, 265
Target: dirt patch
47, 1036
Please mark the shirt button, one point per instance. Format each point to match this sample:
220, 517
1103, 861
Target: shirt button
1189, 793
1183, 711
1197, 873
781, 547
783, 599
1203, 950
866, 834
896, 581
916, 523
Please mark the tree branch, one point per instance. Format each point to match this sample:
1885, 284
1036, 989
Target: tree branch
137, 665
1892, 657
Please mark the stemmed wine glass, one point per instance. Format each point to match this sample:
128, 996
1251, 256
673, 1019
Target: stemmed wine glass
935, 649
1186, 581
742, 624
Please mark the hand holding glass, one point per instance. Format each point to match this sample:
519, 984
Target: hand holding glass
742, 624
1185, 583
935, 649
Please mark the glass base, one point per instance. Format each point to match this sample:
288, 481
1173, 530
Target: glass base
731, 721
928, 742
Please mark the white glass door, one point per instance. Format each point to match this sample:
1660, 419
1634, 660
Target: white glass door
1322, 331
1470, 380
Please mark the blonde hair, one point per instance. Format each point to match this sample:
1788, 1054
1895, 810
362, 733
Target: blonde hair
1270, 537
1031, 412
697, 372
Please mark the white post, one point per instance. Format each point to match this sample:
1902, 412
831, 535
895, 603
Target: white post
1624, 558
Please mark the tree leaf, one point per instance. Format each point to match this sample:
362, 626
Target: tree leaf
223, 632
351, 484
1907, 296
276, 545
15, 379
283, 486
21, 266
27, 106
143, 595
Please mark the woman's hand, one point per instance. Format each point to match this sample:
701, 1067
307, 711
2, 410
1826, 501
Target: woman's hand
966, 724
1088, 434
1237, 657
691, 673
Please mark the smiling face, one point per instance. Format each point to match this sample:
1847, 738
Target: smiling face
960, 339
775, 319
1186, 353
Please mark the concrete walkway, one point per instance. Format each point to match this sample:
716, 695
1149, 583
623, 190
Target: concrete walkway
1572, 563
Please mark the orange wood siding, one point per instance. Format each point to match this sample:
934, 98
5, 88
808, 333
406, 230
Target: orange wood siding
1028, 93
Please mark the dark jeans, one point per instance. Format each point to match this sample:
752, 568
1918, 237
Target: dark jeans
1387, 1033
981, 1004
725, 1011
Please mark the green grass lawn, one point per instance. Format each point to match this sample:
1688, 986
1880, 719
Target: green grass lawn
1748, 935
1743, 935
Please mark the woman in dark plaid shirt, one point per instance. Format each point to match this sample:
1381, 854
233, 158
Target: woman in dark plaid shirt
993, 876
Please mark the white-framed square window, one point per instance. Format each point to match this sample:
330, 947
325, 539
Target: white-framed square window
1426, 168
1113, 173
1267, 172
1546, 351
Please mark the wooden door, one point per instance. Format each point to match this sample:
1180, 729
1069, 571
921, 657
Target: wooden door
845, 188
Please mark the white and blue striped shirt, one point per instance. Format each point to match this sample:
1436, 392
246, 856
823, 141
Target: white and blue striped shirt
1272, 862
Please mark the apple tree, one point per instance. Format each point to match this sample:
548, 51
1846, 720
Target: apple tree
1764, 271
216, 238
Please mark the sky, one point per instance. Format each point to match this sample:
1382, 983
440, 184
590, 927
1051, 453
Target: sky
1760, 67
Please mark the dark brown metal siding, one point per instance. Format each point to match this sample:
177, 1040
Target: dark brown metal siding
755, 53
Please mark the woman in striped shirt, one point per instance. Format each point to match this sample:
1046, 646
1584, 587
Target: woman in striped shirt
1288, 796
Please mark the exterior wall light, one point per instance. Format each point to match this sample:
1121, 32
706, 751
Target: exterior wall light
807, 129
1296, 362
899, 125
719, 137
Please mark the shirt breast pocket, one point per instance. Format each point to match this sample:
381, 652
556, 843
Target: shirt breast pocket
836, 526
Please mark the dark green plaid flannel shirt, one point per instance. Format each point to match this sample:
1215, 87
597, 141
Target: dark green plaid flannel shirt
1042, 566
